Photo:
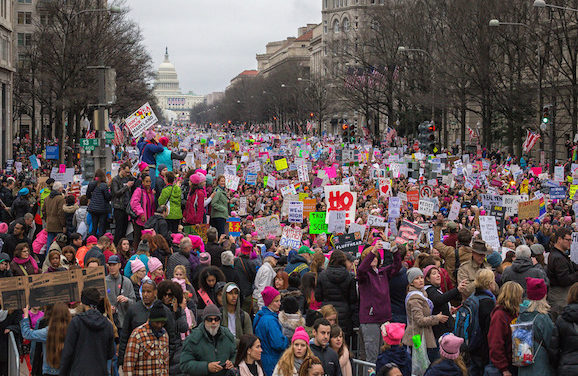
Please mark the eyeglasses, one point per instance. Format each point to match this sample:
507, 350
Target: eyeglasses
568, 239
213, 319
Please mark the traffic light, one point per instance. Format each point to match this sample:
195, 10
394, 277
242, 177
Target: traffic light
546, 114
311, 115
427, 136
345, 128
352, 133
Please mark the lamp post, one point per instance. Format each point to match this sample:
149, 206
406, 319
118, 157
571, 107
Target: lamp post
403, 49
543, 4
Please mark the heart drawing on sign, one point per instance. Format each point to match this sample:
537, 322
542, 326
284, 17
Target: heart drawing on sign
384, 189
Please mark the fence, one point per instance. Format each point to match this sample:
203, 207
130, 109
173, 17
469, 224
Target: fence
362, 368
13, 357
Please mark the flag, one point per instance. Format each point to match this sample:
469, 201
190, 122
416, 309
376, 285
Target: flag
531, 139
396, 73
117, 135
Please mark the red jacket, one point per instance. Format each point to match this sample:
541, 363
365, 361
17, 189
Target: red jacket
500, 338
195, 207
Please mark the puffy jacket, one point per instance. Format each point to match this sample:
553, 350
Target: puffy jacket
88, 345
446, 367
44, 193
220, 204
140, 202
561, 270
297, 261
148, 152
164, 157
120, 191
172, 194
99, 196
195, 209
20, 206
40, 241
160, 225
53, 213
69, 211
522, 268
200, 349
397, 287
564, 343
336, 286
542, 328
266, 326
397, 355
328, 357
500, 339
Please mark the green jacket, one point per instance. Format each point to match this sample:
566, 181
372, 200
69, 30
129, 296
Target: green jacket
45, 192
543, 327
220, 204
172, 192
199, 349
242, 326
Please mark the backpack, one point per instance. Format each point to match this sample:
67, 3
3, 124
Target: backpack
467, 324
523, 353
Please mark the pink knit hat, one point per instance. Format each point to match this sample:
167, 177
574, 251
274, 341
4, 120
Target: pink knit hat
428, 268
300, 333
195, 179
164, 141
142, 166
392, 333
246, 247
269, 293
177, 238
3, 228
197, 243
109, 236
205, 258
450, 346
154, 264
91, 240
136, 265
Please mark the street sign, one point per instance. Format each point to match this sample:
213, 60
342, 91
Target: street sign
108, 137
89, 144
52, 152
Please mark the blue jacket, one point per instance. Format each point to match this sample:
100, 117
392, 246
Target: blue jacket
266, 326
397, 355
164, 157
294, 262
148, 152
446, 367
543, 328
39, 335
99, 195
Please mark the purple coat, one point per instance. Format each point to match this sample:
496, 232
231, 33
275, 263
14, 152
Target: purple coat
374, 290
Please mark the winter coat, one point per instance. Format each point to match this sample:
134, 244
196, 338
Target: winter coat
329, 359
243, 326
220, 204
290, 322
446, 367
148, 152
172, 194
543, 328
397, 355
175, 259
337, 286
158, 223
561, 270
80, 216
88, 345
265, 277
17, 271
39, 335
166, 157
374, 300
215, 250
20, 206
467, 271
195, 207
141, 202
120, 286
397, 287
11, 323
266, 326
69, 217
297, 263
247, 272
120, 191
500, 338
99, 196
448, 253
419, 318
136, 315
53, 212
231, 274
564, 343
40, 241
520, 269
200, 349
142, 256
441, 303
484, 316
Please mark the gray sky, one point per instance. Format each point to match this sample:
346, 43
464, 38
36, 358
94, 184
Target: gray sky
211, 41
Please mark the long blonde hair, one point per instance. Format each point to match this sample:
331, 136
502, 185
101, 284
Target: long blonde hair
540, 306
510, 297
57, 326
287, 361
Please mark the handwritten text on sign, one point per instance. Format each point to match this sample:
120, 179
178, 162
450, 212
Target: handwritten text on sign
339, 198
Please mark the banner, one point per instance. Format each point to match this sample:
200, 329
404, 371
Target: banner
529, 209
339, 198
489, 231
141, 120
408, 231
558, 193
290, 238
426, 208
267, 226
296, 212
317, 223
454, 211
347, 242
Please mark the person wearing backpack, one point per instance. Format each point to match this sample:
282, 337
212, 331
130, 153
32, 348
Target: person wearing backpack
467, 271
500, 333
453, 257
564, 344
538, 313
477, 346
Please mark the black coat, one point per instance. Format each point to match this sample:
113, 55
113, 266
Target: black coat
441, 304
329, 359
12, 322
484, 317
446, 367
99, 196
20, 206
120, 191
337, 286
247, 273
89, 343
564, 342
561, 270
160, 225
231, 274
215, 250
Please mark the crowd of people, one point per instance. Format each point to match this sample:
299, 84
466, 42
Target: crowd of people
188, 293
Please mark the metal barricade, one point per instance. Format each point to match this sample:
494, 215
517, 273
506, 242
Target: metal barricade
362, 368
13, 356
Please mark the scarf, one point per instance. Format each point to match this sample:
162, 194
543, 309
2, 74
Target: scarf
411, 293
297, 363
21, 261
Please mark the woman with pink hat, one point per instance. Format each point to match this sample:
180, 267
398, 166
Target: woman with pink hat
294, 355
196, 200
450, 362
392, 351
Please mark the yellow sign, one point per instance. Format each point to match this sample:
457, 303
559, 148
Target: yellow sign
524, 186
281, 164
573, 189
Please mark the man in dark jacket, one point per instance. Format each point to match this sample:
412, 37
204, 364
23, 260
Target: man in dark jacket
562, 272
121, 188
17, 237
523, 267
158, 223
6, 199
213, 248
299, 263
247, 272
97, 251
89, 342
322, 350
181, 258
21, 205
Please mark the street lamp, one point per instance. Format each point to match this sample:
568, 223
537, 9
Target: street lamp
495, 23
543, 4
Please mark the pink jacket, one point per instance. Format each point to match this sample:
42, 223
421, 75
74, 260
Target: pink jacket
142, 202
195, 207
39, 242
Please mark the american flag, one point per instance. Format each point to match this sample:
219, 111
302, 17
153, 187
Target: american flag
472, 133
91, 134
531, 139
396, 73
117, 135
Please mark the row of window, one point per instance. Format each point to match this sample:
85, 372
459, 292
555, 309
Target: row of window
345, 26
345, 3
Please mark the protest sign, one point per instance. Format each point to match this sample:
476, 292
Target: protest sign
243, 206
394, 207
347, 242
230, 170
376, 221
254, 167
511, 203
52, 152
309, 206
489, 231
384, 187
413, 198
141, 120
354, 227
281, 164
339, 198
251, 179
303, 173
573, 248
234, 226
408, 231
290, 237
288, 190
573, 189
296, 212
66, 177
232, 182
317, 223
559, 173
489, 200
499, 213
426, 208
558, 193
286, 200
336, 221
529, 209
199, 230
267, 226
454, 211
271, 181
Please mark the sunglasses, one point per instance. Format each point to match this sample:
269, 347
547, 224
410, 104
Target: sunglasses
213, 319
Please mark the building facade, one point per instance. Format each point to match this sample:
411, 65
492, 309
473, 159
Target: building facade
176, 106
6, 77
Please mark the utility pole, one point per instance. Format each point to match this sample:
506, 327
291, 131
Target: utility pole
553, 138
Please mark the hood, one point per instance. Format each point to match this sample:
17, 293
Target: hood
54, 194
397, 355
570, 313
337, 274
291, 320
224, 298
93, 320
296, 259
69, 209
521, 265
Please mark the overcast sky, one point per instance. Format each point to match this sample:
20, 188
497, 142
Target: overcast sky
211, 41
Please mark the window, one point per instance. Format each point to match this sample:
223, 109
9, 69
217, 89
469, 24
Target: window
325, 27
24, 39
25, 1
3, 8
5, 49
346, 25
336, 26
24, 18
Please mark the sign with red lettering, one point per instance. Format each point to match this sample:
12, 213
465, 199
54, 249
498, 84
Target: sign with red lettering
413, 198
340, 198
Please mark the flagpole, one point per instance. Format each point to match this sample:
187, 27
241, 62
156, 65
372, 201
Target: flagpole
553, 140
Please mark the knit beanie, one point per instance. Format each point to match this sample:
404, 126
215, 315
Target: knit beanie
142, 166
157, 312
246, 247
300, 333
211, 310
3, 228
392, 333
427, 269
164, 141
90, 297
136, 265
269, 294
154, 264
450, 346
494, 259
197, 243
91, 240
412, 274
227, 258
536, 288
205, 258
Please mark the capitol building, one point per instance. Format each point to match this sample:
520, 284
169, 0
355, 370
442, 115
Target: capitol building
176, 106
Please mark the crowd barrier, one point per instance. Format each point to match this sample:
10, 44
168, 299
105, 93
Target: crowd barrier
13, 356
362, 368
